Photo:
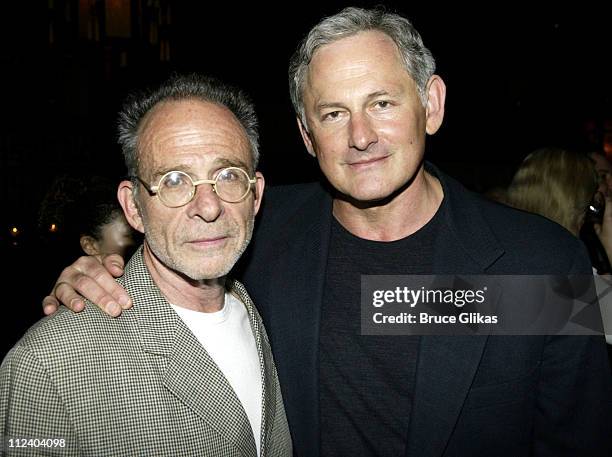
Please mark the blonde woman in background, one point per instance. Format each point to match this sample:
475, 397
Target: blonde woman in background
556, 184
560, 185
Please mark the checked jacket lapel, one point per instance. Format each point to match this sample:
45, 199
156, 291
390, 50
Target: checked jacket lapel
266, 364
187, 371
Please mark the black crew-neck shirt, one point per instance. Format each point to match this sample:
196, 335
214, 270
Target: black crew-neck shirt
367, 382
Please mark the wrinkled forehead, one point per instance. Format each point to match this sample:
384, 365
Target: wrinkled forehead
173, 130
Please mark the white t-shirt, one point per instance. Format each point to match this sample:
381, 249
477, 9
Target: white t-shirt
228, 339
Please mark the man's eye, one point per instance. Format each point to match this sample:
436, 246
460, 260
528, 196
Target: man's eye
175, 180
331, 116
228, 175
383, 104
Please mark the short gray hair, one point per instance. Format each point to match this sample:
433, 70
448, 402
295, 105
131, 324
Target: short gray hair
184, 87
417, 59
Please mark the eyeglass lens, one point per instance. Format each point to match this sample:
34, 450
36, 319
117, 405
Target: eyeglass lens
176, 188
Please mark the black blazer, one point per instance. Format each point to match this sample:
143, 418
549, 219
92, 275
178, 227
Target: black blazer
474, 395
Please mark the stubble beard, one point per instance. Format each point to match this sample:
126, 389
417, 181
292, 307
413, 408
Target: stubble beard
185, 268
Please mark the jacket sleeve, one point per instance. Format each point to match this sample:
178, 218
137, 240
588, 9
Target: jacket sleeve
31, 409
574, 399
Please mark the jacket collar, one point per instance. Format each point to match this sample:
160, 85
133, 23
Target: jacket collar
467, 243
186, 369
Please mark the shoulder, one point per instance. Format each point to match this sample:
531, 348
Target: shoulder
287, 211
286, 199
521, 226
532, 242
290, 192
67, 336
282, 201
20, 359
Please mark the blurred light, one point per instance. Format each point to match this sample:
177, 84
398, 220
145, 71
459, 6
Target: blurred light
14, 231
53, 228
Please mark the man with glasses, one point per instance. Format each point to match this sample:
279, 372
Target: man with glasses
188, 370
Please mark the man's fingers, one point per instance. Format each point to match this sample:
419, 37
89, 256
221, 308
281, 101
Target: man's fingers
88, 278
118, 295
50, 305
67, 295
114, 264
100, 289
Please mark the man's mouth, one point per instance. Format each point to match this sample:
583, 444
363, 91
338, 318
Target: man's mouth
367, 162
209, 241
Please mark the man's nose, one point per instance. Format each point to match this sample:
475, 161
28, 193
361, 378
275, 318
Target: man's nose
361, 132
206, 203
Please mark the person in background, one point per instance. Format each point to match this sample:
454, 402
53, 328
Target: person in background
598, 241
555, 183
597, 231
561, 185
604, 171
85, 212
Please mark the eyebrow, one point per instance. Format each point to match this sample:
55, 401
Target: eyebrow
224, 163
217, 163
159, 173
381, 93
378, 93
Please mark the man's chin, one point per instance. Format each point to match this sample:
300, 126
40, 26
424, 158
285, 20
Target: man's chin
367, 198
199, 274
376, 191
203, 267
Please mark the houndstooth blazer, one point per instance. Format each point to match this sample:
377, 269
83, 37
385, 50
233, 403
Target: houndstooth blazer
139, 385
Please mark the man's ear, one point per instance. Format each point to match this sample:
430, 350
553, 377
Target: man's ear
434, 111
260, 184
125, 195
89, 245
306, 137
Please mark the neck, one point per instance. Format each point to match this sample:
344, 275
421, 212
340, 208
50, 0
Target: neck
396, 217
205, 295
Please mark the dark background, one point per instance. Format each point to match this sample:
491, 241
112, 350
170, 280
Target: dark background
519, 76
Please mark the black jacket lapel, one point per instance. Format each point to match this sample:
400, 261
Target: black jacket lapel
447, 364
290, 300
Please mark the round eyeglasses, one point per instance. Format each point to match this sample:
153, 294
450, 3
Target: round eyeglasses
177, 188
